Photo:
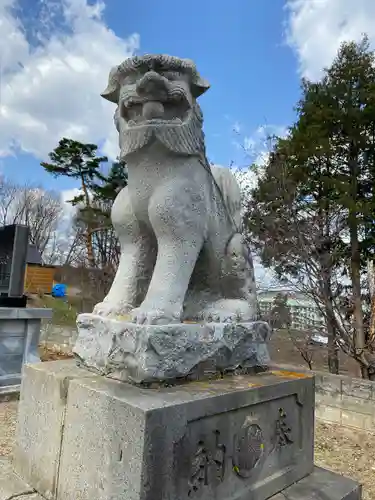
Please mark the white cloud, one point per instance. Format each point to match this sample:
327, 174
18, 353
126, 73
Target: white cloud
259, 144
256, 149
316, 28
68, 209
51, 90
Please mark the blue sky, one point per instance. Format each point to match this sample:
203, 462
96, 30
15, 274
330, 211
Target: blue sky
238, 46
56, 55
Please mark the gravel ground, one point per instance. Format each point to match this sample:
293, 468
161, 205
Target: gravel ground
346, 451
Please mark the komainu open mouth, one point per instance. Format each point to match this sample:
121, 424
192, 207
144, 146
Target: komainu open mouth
147, 112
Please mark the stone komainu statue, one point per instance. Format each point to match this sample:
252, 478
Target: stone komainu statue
182, 256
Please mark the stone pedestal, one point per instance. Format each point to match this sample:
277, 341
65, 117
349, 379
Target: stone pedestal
19, 337
210, 440
84, 436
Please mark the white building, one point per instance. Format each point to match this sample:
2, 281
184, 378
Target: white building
304, 312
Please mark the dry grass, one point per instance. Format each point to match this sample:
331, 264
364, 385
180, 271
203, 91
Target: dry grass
8, 416
49, 354
348, 452
282, 350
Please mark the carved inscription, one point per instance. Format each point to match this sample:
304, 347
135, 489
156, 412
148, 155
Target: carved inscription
260, 435
283, 430
208, 464
248, 449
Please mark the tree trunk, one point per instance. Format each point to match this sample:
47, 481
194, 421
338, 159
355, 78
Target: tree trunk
355, 267
89, 249
326, 271
360, 340
88, 235
333, 354
371, 283
333, 350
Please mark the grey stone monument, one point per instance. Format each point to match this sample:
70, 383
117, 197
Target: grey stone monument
19, 325
172, 399
14, 240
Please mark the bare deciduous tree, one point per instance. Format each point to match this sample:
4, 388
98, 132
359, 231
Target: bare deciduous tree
303, 345
105, 248
39, 209
8, 194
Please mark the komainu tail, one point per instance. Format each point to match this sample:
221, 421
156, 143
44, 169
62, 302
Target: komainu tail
231, 192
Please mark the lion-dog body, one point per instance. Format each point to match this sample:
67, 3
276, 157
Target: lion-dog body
182, 257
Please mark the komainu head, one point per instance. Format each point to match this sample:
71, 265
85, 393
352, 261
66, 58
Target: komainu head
156, 98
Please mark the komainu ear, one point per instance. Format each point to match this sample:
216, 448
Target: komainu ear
199, 86
112, 92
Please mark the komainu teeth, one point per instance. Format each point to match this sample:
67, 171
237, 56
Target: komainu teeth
153, 121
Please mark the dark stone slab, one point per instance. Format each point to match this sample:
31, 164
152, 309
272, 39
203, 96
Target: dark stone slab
13, 301
322, 485
19, 339
10, 392
13, 255
25, 313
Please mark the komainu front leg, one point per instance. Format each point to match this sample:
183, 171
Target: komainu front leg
164, 300
136, 261
127, 285
179, 226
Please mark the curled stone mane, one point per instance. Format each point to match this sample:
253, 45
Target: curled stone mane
155, 62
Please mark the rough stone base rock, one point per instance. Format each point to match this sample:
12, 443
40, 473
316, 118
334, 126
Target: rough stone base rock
146, 353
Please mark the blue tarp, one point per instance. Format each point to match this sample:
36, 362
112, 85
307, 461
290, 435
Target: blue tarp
59, 290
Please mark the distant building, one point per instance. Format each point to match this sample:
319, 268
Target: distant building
304, 312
